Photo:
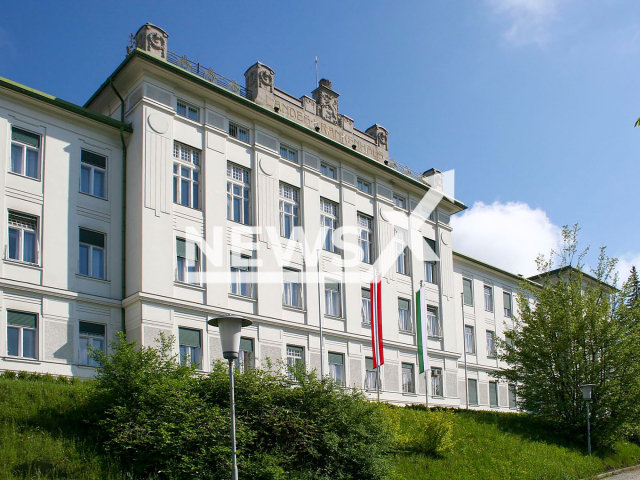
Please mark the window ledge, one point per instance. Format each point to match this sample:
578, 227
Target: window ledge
33, 266
409, 394
187, 120
242, 297
334, 180
23, 176
294, 309
85, 367
185, 206
333, 317
190, 286
407, 332
237, 140
366, 325
435, 337
93, 196
93, 279
33, 361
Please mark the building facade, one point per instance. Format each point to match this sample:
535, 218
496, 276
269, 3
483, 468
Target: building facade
176, 195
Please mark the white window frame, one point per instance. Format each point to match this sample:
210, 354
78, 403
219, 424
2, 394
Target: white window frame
328, 171
21, 330
329, 222
295, 356
402, 252
405, 323
187, 110
90, 249
488, 297
93, 170
437, 382
186, 160
191, 355
246, 358
239, 132
365, 237
473, 381
400, 201
288, 297
513, 395
469, 339
371, 377
469, 282
23, 156
364, 186
88, 339
332, 298
183, 275
289, 210
337, 373
288, 153
24, 224
491, 344
431, 273
366, 306
237, 275
434, 326
508, 312
497, 390
238, 180
408, 378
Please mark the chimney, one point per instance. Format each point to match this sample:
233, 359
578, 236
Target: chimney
433, 178
152, 39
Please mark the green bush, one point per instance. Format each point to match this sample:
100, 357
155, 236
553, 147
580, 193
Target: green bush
160, 418
418, 430
9, 375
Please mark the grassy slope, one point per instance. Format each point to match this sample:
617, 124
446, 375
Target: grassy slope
511, 446
39, 439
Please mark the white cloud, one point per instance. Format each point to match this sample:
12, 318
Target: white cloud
508, 235
625, 262
529, 19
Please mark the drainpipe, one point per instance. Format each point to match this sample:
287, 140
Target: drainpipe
124, 200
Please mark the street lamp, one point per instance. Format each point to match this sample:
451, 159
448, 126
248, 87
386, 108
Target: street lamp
230, 327
586, 394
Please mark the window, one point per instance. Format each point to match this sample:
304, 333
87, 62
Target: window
371, 375
469, 341
488, 298
408, 385
364, 186
241, 283
92, 254
434, 328
491, 344
288, 153
332, 299
399, 201
436, 382
328, 171
22, 334
329, 223
513, 396
241, 133
23, 237
92, 337
336, 367
472, 388
402, 252
289, 211
186, 175
365, 238
366, 306
238, 194
292, 294
245, 354
187, 261
430, 274
493, 394
507, 303
467, 288
190, 346
25, 153
188, 110
295, 357
404, 315
93, 174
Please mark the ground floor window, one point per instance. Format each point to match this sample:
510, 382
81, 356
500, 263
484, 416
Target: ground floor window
436, 382
190, 346
22, 334
92, 337
336, 367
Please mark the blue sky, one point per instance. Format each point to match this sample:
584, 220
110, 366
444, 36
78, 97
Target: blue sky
532, 102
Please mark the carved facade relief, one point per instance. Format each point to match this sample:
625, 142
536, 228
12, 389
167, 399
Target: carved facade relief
152, 39
259, 78
381, 135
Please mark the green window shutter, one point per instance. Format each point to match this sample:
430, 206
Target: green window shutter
468, 292
366, 293
92, 238
189, 337
336, 358
25, 137
246, 344
22, 319
92, 328
93, 159
368, 364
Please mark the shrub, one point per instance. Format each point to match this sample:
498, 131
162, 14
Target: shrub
22, 375
9, 374
418, 430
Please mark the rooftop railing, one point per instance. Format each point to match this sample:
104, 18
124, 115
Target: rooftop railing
208, 74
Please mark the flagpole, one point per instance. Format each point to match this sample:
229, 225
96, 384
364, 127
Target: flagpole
424, 353
464, 348
378, 381
320, 320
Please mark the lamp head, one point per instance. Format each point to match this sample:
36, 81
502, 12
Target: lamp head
230, 328
587, 390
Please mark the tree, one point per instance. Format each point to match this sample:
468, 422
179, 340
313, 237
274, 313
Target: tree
632, 288
576, 329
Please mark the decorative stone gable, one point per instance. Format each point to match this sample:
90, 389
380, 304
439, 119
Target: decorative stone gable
258, 78
327, 102
152, 39
381, 135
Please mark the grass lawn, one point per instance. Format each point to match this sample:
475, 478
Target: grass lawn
510, 446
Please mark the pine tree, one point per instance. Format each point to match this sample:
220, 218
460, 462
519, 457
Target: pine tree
632, 288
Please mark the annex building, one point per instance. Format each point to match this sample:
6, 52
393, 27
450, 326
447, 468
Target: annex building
175, 195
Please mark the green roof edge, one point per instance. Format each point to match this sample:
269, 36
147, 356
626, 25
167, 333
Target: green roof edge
58, 102
261, 109
492, 267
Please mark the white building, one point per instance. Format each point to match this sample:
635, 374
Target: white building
210, 168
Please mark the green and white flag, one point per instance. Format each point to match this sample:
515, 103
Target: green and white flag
421, 322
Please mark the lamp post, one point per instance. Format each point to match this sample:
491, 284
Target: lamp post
230, 327
586, 394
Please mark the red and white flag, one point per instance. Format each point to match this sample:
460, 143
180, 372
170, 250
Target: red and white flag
376, 321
